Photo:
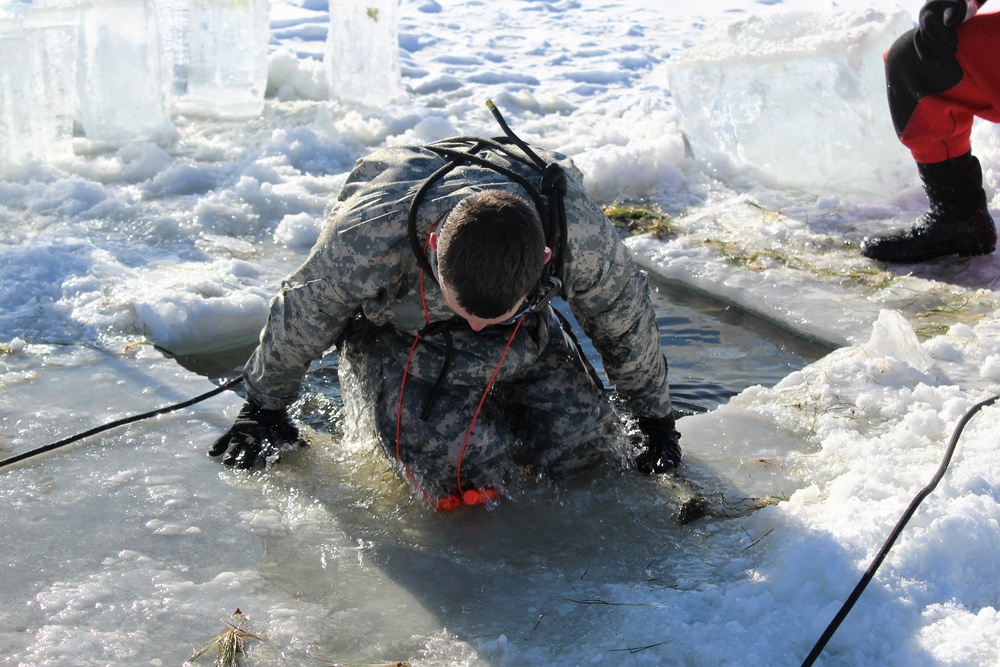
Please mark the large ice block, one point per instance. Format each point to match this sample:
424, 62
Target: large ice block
362, 51
216, 55
172, 17
15, 122
800, 96
122, 96
37, 81
51, 51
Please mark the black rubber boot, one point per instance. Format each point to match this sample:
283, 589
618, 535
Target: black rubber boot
958, 222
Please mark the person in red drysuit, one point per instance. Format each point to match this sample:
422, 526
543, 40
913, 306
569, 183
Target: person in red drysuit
940, 76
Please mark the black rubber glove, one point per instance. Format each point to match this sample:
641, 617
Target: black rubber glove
936, 36
256, 435
663, 446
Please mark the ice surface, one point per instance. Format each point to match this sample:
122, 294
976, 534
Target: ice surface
799, 96
147, 542
122, 96
362, 52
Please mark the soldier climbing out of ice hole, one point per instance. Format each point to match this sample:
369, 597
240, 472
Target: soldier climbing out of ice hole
940, 76
432, 281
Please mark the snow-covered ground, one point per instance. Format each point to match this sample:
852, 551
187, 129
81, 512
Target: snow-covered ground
128, 549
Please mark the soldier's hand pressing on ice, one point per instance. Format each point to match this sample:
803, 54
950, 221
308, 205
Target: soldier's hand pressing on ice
663, 446
936, 36
256, 435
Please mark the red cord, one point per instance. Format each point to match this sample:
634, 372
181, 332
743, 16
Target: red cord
399, 423
461, 453
472, 496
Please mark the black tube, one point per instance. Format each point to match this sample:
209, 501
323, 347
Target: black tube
120, 422
884, 551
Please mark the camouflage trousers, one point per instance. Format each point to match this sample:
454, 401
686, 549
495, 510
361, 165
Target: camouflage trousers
550, 420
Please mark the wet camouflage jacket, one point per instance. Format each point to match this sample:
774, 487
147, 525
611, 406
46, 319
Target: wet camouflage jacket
363, 265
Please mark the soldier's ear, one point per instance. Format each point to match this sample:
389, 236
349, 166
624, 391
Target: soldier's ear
548, 255
433, 240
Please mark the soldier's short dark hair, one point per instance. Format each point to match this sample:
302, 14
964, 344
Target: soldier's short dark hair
491, 252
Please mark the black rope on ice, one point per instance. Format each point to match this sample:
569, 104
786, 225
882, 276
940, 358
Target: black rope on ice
120, 422
884, 551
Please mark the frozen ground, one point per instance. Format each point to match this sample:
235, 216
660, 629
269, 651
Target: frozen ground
128, 549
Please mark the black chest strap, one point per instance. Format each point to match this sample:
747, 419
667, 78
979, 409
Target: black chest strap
548, 195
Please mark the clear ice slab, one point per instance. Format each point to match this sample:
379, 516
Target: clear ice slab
215, 53
362, 52
798, 96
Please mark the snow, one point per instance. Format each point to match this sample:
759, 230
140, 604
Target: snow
128, 548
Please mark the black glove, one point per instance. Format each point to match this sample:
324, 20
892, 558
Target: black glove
663, 447
936, 36
256, 435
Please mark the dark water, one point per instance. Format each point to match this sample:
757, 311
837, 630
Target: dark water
714, 351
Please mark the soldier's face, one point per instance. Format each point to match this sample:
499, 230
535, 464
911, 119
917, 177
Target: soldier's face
478, 323
475, 323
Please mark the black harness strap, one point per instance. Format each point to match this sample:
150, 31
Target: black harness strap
444, 329
457, 158
552, 185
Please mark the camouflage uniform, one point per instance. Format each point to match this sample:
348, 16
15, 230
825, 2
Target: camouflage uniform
362, 288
